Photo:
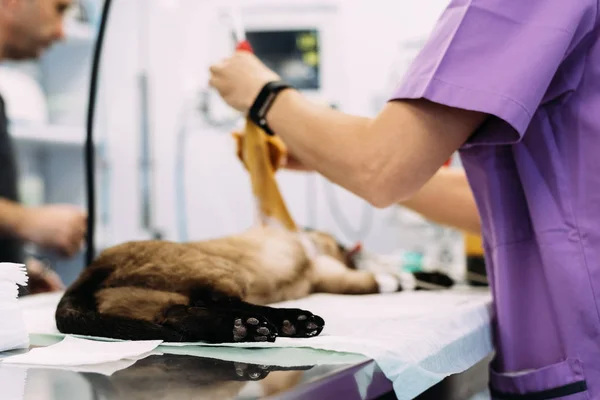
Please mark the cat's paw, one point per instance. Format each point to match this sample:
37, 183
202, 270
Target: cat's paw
433, 280
300, 324
250, 372
253, 328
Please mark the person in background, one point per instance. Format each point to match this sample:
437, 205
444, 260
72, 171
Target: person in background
27, 28
513, 86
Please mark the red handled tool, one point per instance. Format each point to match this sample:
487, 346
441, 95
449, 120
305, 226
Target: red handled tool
239, 33
244, 46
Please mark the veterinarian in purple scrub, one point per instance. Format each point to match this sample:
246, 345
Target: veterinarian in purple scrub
515, 87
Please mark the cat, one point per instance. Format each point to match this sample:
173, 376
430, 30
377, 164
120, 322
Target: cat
217, 290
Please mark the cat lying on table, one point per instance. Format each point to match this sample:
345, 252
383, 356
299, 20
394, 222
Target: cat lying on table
217, 290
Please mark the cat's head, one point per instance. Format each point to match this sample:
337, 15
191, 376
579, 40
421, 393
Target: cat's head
328, 244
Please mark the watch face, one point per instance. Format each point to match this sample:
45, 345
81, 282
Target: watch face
293, 54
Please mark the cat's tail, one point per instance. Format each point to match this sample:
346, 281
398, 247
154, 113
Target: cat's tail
77, 314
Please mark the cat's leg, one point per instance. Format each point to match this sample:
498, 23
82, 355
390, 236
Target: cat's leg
293, 322
332, 276
433, 280
176, 313
290, 322
219, 325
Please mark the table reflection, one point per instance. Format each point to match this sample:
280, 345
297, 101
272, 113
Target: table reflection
162, 377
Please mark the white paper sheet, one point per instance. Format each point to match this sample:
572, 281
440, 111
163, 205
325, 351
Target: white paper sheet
72, 351
13, 333
15, 273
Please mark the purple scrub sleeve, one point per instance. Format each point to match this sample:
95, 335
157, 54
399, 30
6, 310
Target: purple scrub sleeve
534, 167
498, 57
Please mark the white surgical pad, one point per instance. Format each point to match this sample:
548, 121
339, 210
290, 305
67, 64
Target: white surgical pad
417, 338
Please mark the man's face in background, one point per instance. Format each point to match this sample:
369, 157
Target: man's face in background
32, 26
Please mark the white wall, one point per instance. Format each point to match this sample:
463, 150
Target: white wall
366, 49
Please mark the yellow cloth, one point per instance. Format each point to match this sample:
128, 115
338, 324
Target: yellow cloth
473, 245
262, 155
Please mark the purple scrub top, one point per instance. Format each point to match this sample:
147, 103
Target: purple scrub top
534, 166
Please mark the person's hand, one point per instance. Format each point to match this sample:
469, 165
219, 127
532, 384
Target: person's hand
58, 227
239, 79
42, 279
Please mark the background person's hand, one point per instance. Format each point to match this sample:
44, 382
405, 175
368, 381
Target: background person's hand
239, 79
42, 279
58, 227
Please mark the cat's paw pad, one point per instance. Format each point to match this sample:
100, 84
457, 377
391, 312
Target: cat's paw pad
301, 324
251, 372
433, 280
253, 329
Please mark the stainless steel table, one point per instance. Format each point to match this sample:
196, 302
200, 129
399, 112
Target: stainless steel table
182, 377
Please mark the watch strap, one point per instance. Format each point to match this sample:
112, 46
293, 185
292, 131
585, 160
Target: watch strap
263, 102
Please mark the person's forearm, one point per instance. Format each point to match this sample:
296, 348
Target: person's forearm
447, 199
382, 160
12, 216
324, 150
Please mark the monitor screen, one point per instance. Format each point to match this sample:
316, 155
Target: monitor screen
293, 54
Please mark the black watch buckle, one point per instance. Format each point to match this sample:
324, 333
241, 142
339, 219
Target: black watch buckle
263, 102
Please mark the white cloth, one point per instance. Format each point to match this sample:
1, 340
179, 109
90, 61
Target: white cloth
417, 338
13, 333
85, 355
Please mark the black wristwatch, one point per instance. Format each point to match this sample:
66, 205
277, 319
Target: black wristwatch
263, 102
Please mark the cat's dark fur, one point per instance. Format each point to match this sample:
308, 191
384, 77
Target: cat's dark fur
215, 290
